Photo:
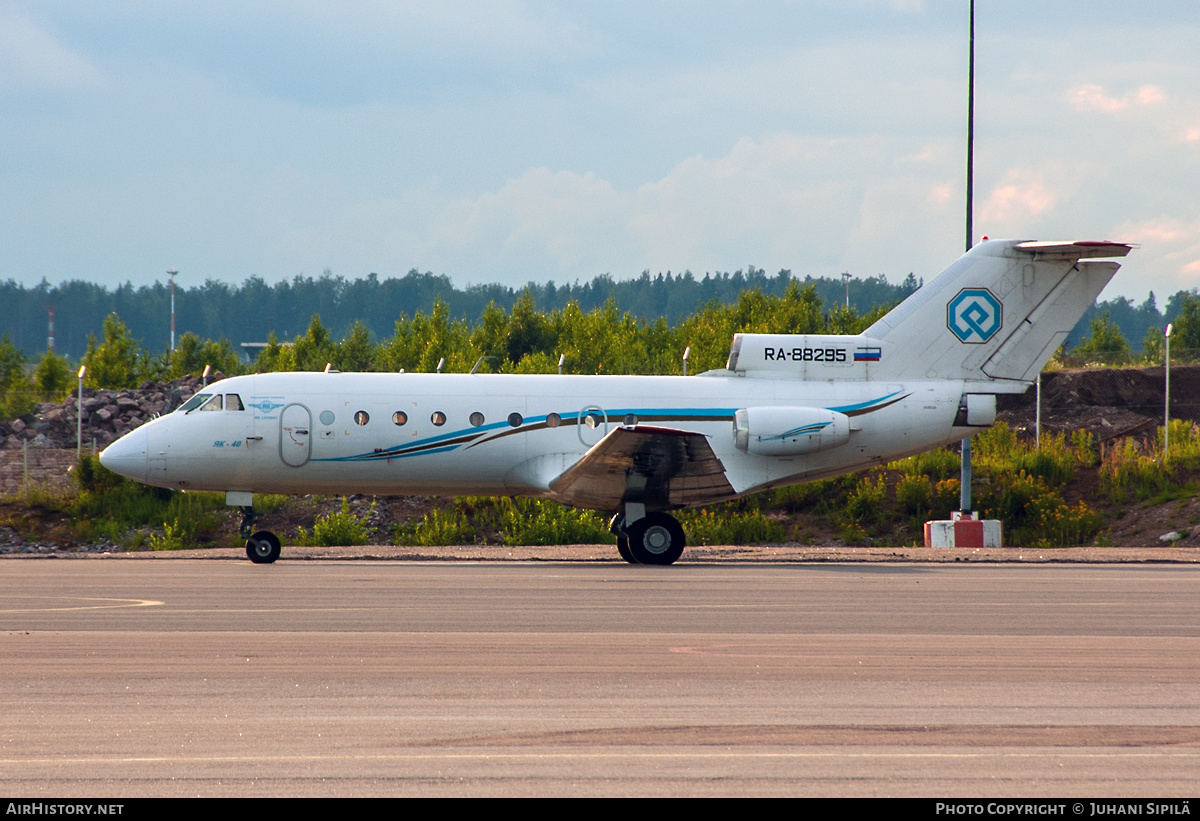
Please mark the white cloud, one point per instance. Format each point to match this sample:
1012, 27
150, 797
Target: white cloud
1091, 97
1169, 253
812, 205
1022, 195
31, 59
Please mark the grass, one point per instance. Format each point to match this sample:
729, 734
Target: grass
1064, 493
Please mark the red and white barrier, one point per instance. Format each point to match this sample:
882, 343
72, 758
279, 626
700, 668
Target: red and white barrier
964, 530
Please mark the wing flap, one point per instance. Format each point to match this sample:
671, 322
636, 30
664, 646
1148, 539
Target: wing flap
661, 468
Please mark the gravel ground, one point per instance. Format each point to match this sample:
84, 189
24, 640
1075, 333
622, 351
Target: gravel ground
721, 554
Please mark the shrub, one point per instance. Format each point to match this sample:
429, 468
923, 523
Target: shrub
914, 494
336, 529
539, 522
936, 464
866, 502
192, 519
1035, 514
730, 527
946, 497
438, 527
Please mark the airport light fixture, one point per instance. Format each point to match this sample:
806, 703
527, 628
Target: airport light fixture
79, 416
1167, 392
172, 271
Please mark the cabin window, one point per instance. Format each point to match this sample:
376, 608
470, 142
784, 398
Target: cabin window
438, 418
193, 403
361, 418
233, 402
476, 419
553, 420
399, 418
593, 419
515, 419
631, 419
214, 404
327, 417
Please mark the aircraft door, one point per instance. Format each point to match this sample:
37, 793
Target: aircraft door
295, 435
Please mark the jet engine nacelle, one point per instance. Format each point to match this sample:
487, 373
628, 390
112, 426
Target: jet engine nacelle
784, 431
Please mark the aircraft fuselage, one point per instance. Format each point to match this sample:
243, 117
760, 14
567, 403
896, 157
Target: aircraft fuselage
480, 434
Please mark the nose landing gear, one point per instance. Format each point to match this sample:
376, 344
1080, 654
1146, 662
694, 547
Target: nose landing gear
263, 547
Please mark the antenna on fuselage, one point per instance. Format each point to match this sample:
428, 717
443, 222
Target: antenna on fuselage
441, 364
562, 357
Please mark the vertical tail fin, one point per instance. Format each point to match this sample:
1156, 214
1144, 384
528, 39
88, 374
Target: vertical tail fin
998, 313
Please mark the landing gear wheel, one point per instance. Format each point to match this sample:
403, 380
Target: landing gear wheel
263, 547
656, 539
623, 548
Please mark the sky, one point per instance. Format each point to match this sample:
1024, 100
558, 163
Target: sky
507, 141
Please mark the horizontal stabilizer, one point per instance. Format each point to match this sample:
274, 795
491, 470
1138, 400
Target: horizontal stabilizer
1080, 249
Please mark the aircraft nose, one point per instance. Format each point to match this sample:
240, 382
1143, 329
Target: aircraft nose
127, 455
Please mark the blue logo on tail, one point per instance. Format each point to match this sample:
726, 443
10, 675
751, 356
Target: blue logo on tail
975, 315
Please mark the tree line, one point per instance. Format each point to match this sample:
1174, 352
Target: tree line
247, 312
520, 339
525, 338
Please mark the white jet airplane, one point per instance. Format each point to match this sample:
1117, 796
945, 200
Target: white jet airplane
786, 409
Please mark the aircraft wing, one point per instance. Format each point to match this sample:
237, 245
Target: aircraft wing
662, 468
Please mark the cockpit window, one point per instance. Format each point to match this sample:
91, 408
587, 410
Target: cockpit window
213, 404
233, 402
193, 403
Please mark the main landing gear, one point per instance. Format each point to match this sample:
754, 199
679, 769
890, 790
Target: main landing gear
262, 547
654, 538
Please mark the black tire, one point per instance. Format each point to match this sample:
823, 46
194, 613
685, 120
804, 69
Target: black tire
623, 548
263, 547
656, 539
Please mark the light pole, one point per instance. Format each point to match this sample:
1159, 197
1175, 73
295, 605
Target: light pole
964, 495
1167, 392
172, 271
846, 280
79, 416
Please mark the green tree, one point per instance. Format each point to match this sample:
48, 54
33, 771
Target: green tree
528, 330
1185, 330
1152, 346
1105, 344
420, 343
16, 397
275, 357
356, 352
53, 377
316, 349
192, 354
117, 362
